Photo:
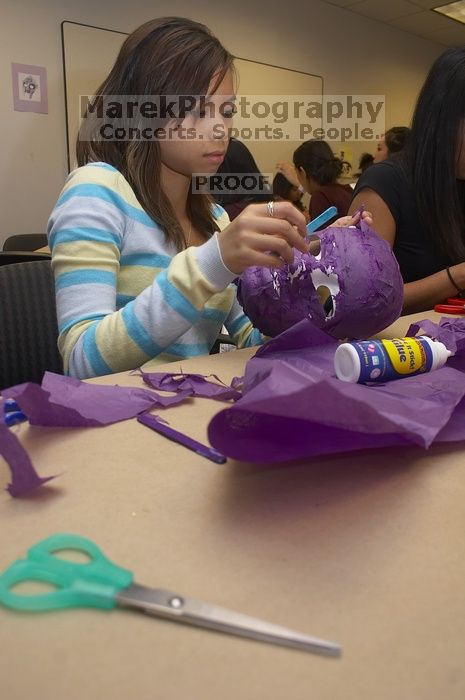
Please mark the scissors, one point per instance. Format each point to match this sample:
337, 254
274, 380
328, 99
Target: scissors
453, 305
99, 583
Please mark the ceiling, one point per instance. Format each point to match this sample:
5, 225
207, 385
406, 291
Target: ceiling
413, 16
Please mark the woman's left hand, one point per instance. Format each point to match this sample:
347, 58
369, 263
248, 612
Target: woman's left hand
353, 220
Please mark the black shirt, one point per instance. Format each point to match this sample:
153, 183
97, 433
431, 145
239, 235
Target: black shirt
411, 246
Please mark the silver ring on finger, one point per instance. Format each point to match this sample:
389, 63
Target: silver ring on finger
270, 208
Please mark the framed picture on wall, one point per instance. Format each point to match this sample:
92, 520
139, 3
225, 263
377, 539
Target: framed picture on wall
29, 88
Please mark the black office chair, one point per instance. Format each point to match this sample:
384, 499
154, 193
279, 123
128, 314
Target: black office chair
9, 257
222, 339
26, 241
28, 323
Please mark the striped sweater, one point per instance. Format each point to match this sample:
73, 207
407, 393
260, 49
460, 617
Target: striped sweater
124, 294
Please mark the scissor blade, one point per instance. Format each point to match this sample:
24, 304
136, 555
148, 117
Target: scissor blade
162, 603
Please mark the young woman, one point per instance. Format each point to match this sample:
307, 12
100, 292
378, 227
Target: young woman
366, 159
418, 199
394, 141
316, 171
143, 265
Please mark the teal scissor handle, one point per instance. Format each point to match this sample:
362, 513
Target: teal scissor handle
91, 584
321, 219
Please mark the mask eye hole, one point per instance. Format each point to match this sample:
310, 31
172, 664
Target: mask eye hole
326, 300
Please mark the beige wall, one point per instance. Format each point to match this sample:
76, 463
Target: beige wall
353, 54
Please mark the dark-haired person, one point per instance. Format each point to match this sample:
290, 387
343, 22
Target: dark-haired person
317, 171
285, 190
143, 265
418, 199
238, 160
393, 142
366, 159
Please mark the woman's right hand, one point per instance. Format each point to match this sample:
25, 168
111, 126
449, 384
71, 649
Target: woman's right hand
254, 234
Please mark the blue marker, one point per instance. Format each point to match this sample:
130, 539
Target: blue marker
320, 220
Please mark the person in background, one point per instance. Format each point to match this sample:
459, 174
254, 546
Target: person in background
418, 199
366, 159
285, 190
317, 171
239, 160
393, 143
144, 265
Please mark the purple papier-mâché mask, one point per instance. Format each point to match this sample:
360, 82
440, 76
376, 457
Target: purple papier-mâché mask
352, 289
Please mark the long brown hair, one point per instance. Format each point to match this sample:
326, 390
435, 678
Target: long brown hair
165, 56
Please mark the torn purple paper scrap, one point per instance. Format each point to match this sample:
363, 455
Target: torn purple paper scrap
67, 402
450, 331
195, 384
24, 477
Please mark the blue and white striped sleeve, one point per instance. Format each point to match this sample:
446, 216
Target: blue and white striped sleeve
240, 328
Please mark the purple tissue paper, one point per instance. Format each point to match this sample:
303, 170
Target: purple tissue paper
192, 385
70, 403
355, 266
450, 331
295, 407
24, 477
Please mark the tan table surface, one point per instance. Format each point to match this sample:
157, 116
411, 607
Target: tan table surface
366, 549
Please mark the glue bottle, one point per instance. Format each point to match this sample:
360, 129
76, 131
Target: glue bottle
383, 360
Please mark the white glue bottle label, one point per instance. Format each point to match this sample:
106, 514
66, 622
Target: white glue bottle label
383, 360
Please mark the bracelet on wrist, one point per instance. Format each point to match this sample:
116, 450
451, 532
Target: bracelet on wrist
460, 291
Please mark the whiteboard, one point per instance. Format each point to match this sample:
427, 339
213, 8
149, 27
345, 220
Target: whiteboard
90, 52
